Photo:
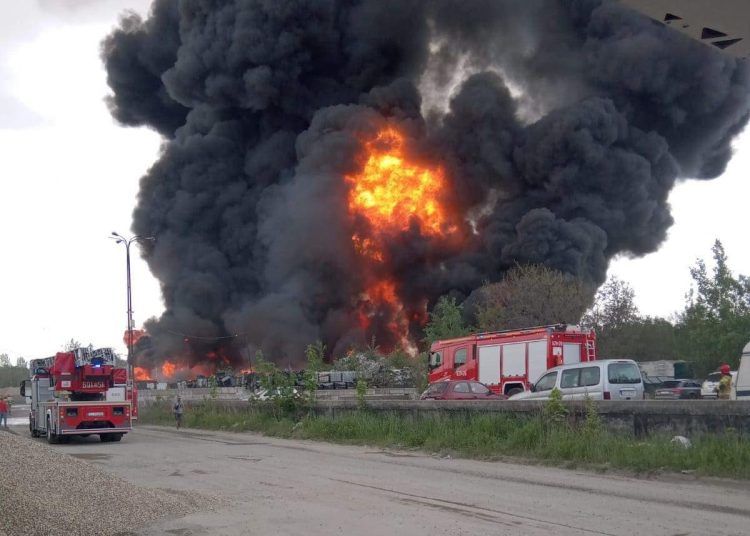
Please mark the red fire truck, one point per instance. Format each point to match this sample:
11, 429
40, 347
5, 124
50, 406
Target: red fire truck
79, 393
508, 361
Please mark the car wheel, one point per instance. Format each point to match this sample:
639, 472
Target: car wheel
105, 438
115, 437
514, 391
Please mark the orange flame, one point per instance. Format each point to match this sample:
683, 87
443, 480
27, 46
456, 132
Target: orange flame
390, 192
168, 369
141, 374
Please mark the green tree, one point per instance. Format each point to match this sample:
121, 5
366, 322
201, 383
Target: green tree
21, 362
278, 385
4, 360
715, 323
361, 393
620, 329
614, 306
532, 295
315, 353
642, 339
446, 321
12, 376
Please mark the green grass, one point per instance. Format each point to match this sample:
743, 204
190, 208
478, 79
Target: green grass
482, 436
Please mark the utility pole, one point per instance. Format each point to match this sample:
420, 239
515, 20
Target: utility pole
119, 239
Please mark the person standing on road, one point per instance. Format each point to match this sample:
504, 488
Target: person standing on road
178, 412
725, 383
4, 410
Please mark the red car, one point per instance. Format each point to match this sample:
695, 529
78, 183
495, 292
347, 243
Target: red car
460, 390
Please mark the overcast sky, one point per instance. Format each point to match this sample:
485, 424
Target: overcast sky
70, 177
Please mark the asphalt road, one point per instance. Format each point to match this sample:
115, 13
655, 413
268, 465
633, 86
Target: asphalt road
279, 486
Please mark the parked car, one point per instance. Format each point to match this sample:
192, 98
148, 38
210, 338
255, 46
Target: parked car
711, 384
652, 383
607, 379
459, 390
679, 389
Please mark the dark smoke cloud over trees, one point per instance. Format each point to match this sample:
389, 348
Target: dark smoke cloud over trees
562, 125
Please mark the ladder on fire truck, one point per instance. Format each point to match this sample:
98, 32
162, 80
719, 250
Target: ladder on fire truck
590, 350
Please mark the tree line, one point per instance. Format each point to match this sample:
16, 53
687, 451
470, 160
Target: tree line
12, 375
711, 329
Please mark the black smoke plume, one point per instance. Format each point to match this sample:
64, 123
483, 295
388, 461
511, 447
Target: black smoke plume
562, 126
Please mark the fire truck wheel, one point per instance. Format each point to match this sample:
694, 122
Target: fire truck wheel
105, 438
32, 428
52, 439
116, 437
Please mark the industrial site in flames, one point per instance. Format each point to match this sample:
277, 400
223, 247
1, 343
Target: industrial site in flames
330, 170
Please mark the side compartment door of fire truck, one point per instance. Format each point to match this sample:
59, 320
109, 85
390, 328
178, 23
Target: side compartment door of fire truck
514, 366
41, 391
537, 359
571, 353
489, 365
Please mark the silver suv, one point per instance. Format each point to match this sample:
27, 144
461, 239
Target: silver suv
608, 379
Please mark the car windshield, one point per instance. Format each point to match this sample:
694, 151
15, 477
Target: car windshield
624, 373
436, 388
478, 388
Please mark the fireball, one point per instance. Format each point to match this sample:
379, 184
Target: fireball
390, 193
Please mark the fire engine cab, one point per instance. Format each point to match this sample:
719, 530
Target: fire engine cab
79, 393
509, 361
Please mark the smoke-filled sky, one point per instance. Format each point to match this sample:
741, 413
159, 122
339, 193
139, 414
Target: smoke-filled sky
274, 106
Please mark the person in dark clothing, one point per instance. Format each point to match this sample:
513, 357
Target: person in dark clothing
178, 409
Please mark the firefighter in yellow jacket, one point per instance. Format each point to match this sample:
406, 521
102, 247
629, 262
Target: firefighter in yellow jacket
725, 383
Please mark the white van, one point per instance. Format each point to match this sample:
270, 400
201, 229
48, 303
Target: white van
607, 379
741, 390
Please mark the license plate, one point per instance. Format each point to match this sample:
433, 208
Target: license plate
627, 392
95, 414
664, 392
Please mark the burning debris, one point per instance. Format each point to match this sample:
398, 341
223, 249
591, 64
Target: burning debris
331, 168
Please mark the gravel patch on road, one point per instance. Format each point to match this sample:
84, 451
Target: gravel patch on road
44, 492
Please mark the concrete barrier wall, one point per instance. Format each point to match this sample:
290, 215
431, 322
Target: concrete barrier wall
638, 417
149, 396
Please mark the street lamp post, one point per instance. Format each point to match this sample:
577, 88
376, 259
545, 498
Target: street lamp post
119, 239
